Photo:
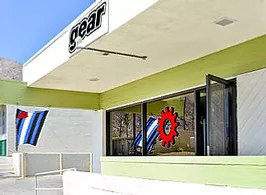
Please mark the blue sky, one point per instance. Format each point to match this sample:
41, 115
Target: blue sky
27, 25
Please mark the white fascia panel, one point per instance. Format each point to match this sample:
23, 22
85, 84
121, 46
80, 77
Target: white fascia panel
46, 61
121, 11
55, 53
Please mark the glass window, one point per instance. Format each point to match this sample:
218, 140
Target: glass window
175, 126
125, 126
126, 134
175, 130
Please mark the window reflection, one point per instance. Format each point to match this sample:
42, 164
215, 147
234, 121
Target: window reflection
126, 134
125, 126
184, 143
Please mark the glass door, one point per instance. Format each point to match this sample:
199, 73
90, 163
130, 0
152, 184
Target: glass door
220, 133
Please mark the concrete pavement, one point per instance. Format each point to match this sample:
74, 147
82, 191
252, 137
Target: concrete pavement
25, 186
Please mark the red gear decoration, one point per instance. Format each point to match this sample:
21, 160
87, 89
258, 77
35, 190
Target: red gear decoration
167, 114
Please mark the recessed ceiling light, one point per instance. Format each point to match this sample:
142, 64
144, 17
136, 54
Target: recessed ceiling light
225, 21
94, 79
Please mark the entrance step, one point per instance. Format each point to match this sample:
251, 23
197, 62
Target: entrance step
6, 160
6, 167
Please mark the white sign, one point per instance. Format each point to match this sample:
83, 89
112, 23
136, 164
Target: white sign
90, 28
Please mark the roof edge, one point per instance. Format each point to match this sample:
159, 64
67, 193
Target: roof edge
60, 34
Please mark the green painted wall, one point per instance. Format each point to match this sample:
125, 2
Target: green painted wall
12, 92
237, 171
155, 108
243, 58
230, 62
2, 147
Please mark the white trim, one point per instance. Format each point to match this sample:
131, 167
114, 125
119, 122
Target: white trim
248, 73
58, 153
3, 137
46, 46
65, 30
6, 126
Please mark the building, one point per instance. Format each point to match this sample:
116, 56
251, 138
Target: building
205, 59
59, 133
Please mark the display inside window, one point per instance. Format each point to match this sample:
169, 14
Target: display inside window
169, 128
175, 119
176, 126
125, 126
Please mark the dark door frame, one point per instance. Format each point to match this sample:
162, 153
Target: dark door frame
231, 87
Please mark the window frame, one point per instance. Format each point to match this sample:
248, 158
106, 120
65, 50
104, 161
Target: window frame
143, 105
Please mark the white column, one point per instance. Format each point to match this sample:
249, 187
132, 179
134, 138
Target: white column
98, 140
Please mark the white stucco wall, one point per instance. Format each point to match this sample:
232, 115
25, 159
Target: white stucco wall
65, 130
99, 141
80, 183
251, 104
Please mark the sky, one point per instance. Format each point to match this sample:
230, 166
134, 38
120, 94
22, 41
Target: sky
27, 25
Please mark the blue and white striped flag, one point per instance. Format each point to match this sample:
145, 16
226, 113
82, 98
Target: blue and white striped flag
152, 134
29, 126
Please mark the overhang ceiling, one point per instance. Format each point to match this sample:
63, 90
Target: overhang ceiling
170, 33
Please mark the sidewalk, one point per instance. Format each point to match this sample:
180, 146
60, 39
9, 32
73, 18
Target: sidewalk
19, 186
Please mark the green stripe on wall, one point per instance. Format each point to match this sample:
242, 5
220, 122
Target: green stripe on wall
238, 171
230, 62
155, 108
12, 92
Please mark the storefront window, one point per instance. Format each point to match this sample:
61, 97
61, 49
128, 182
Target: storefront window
125, 125
177, 125
181, 109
